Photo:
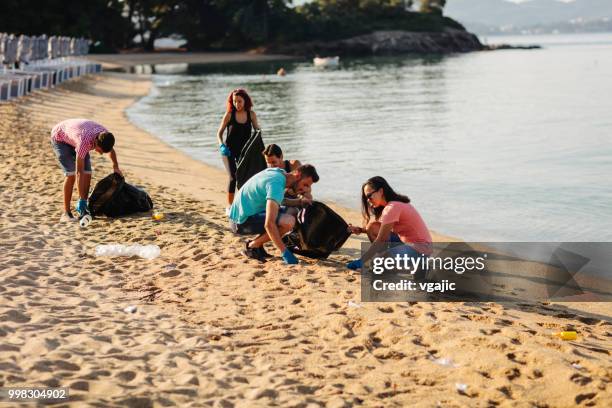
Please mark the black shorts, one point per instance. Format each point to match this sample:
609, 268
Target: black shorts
255, 224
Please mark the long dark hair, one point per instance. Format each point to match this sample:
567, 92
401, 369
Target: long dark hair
248, 102
273, 150
376, 183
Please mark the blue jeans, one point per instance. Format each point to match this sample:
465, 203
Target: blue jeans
66, 156
408, 250
255, 224
405, 249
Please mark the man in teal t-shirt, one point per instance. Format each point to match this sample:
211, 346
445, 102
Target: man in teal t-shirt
256, 209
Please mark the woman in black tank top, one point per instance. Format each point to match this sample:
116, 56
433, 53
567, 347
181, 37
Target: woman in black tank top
239, 121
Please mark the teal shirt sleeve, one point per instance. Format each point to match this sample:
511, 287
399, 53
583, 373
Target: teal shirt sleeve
275, 190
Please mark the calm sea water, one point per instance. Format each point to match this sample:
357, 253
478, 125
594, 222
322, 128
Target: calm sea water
506, 145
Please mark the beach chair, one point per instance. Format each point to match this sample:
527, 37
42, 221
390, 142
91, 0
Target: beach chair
45, 75
30, 63
27, 81
5, 89
42, 52
3, 37
24, 49
10, 51
16, 85
58, 69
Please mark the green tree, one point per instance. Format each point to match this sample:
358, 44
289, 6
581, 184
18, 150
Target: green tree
216, 24
200, 22
99, 20
150, 18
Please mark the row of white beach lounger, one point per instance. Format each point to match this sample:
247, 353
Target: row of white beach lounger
31, 63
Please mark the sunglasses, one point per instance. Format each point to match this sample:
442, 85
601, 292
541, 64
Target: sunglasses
369, 196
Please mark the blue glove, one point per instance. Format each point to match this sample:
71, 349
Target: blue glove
81, 206
225, 151
354, 265
289, 258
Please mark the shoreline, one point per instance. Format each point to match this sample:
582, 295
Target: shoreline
123, 62
198, 174
215, 329
218, 178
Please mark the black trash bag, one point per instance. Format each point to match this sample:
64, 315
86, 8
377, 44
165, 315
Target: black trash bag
251, 160
319, 231
113, 197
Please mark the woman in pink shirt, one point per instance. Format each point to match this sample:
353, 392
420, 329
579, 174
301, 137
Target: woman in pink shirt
394, 220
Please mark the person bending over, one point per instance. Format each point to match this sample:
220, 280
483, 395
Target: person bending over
72, 140
274, 158
395, 220
257, 209
239, 120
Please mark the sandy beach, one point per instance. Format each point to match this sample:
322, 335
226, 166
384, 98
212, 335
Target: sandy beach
214, 329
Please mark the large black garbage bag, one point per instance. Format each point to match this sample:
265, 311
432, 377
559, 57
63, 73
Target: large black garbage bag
113, 197
319, 231
251, 160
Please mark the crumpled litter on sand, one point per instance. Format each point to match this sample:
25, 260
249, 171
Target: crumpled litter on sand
461, 387
143, 251
353, 304
130, 309
212, 331
445, 362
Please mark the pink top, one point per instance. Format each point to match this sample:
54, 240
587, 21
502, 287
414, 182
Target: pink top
408, 224
78, 133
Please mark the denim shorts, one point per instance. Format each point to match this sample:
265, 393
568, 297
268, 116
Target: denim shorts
410, 252
405, 249
255, 224
66, 156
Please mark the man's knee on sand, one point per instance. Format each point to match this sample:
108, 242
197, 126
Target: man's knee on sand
286, 222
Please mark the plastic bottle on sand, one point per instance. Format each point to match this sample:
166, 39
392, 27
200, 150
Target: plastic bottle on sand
567, 335
143, 251
85, 220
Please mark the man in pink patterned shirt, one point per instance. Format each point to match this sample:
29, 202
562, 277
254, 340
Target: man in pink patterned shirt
72, 139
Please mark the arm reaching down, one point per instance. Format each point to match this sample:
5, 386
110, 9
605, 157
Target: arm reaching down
272, 208
82, 179
383, 236
113, 157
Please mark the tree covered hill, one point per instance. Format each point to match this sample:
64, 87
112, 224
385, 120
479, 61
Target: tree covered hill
218, 24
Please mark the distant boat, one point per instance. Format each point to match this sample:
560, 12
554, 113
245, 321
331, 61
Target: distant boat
326, 62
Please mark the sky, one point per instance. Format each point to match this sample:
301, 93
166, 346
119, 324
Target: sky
299, 2
522, 1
